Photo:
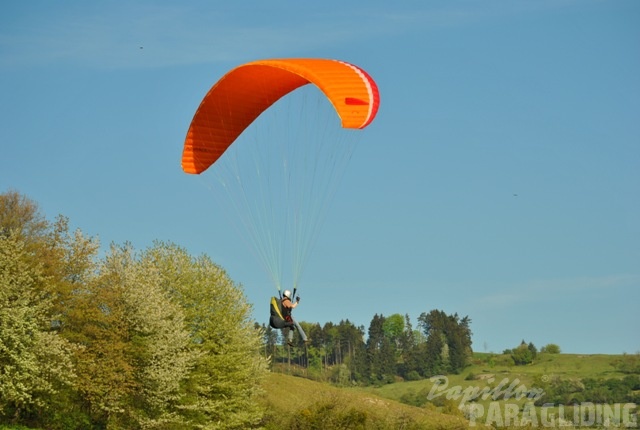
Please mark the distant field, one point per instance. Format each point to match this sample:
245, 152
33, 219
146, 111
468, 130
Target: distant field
498, 366
511, 389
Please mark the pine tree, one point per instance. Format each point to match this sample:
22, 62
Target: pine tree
380, 352
448, 346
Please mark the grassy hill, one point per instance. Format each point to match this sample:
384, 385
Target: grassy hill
489, 370
298, 403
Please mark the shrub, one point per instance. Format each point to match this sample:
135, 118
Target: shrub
551, 348
328, 414
413, 376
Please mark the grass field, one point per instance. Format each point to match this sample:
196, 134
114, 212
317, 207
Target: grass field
490, 369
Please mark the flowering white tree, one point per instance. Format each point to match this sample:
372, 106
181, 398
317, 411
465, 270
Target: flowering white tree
223, 385
137, 352
34, 361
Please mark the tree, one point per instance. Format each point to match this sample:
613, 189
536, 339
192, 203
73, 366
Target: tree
458, 334
432, 325
35, 363
156, 339
523, 354
353, 349
331, 338
136, 353
393, 327
448, 346
270, 340
410, 355
20, 217
36, 368
533, 349
380, 352
550, 348
224, 381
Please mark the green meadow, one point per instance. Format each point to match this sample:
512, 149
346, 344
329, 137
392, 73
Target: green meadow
488, 370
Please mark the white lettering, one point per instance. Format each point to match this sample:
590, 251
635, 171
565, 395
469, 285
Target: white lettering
437, 382
494, 417
547, 419
529, 416
629, 419
511, 412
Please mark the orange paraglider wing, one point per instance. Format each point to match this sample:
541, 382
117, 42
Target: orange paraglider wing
237, 99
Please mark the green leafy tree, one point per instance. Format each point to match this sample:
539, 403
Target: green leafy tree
523, 354
393, 328
136, 353
550, 348
224, 382
157, 339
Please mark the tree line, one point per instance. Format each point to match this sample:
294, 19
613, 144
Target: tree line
131, 340
390, 350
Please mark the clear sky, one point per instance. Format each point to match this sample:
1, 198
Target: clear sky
500, 180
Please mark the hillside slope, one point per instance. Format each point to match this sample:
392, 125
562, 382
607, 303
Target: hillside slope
489, 370
298, 403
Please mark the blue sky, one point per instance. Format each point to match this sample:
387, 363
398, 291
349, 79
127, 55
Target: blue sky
500, 180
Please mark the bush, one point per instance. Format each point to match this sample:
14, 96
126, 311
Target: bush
413, 376
629, 363
328, 415
451, 407
524, 354
551, 348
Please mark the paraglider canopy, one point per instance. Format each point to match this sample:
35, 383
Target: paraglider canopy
237, 99
277, 163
